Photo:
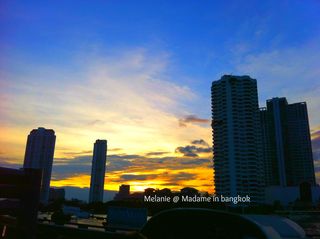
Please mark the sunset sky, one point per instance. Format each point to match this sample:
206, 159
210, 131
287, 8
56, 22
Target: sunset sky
138, 73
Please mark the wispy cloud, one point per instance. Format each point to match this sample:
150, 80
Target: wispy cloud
126, 98
192, 119
200, 142
159, 153
315, 135
192, 150
287, 71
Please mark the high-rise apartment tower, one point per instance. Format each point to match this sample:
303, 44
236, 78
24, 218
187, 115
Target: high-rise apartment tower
237, 154
39, 155
98, 171
287, 151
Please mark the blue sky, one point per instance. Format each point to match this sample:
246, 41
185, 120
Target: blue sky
203, 39
93, 69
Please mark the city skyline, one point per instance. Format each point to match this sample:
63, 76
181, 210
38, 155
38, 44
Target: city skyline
188, 149
75, 71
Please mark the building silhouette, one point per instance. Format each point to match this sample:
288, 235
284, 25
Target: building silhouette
98, 171
39, 155
57, 194
236, 131
123, 193
287, 150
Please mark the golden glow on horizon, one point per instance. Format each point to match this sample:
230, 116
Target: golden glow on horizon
315, 133
202, 181
126, 101
81, 181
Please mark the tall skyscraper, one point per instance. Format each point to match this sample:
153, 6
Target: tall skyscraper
275, 147
237, 154
287, 148
98, 171
39, 155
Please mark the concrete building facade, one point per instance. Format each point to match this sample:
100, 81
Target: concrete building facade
237, 152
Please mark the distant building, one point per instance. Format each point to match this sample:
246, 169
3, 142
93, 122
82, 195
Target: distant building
300, 161
236, 132
39, 155
287, 151
288, 196
124, 192
98, 171
57, 194
124, 189
136, 195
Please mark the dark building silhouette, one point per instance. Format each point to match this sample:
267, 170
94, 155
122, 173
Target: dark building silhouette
98, 171
300, 157
20, 195
124, 192
136, 195
287, 151
236, 132
305, 192
57, 194
39, 155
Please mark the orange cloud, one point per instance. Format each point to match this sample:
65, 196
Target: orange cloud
200, 178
